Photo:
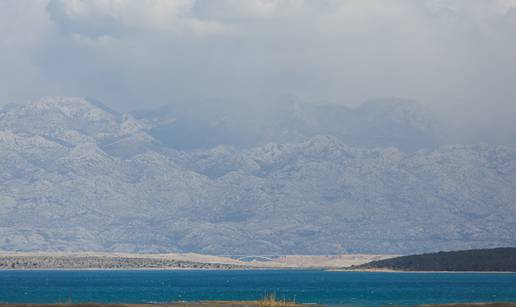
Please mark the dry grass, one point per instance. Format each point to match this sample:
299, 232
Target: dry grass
270, 301
262, 303
267, 301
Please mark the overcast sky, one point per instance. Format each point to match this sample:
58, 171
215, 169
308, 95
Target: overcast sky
452, 55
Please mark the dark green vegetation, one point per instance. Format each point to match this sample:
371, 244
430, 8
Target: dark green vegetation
496, 259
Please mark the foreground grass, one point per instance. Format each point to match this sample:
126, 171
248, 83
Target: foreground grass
269, 301
192, 304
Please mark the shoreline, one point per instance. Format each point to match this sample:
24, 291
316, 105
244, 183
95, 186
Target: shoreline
174, 261
103, 261
253, 269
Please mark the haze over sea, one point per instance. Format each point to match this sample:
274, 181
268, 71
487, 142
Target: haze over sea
305, 286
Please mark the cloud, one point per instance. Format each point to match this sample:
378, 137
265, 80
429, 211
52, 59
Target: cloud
24, 29
118, 17
452, 55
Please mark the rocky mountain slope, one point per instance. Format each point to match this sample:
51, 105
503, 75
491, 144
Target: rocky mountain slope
77, 176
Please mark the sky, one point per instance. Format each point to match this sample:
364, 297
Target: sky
455, 56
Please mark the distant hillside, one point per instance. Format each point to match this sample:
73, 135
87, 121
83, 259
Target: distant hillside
380, 123
496, 259
78, 176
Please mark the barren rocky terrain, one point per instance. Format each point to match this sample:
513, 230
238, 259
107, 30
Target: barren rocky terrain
56, 260
78, 176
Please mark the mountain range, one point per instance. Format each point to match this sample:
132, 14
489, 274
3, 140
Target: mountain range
76, 175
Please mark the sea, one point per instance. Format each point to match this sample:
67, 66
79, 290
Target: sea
303, 286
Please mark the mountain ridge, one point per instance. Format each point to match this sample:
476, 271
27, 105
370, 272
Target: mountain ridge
65, 187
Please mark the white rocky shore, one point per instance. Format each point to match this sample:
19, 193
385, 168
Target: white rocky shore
96, 260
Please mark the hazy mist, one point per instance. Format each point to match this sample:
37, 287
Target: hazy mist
456, 58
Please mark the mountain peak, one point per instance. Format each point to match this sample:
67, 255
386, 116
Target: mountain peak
74, 107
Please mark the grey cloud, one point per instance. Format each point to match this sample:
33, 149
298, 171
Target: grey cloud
457, 57
102, 25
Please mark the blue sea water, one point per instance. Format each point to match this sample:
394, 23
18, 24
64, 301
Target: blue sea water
306, 286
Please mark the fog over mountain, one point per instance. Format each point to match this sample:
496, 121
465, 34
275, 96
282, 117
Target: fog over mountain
257, 126
376, 123
76, 175
455, 57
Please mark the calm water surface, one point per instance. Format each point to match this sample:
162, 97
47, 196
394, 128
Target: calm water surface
332, 288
